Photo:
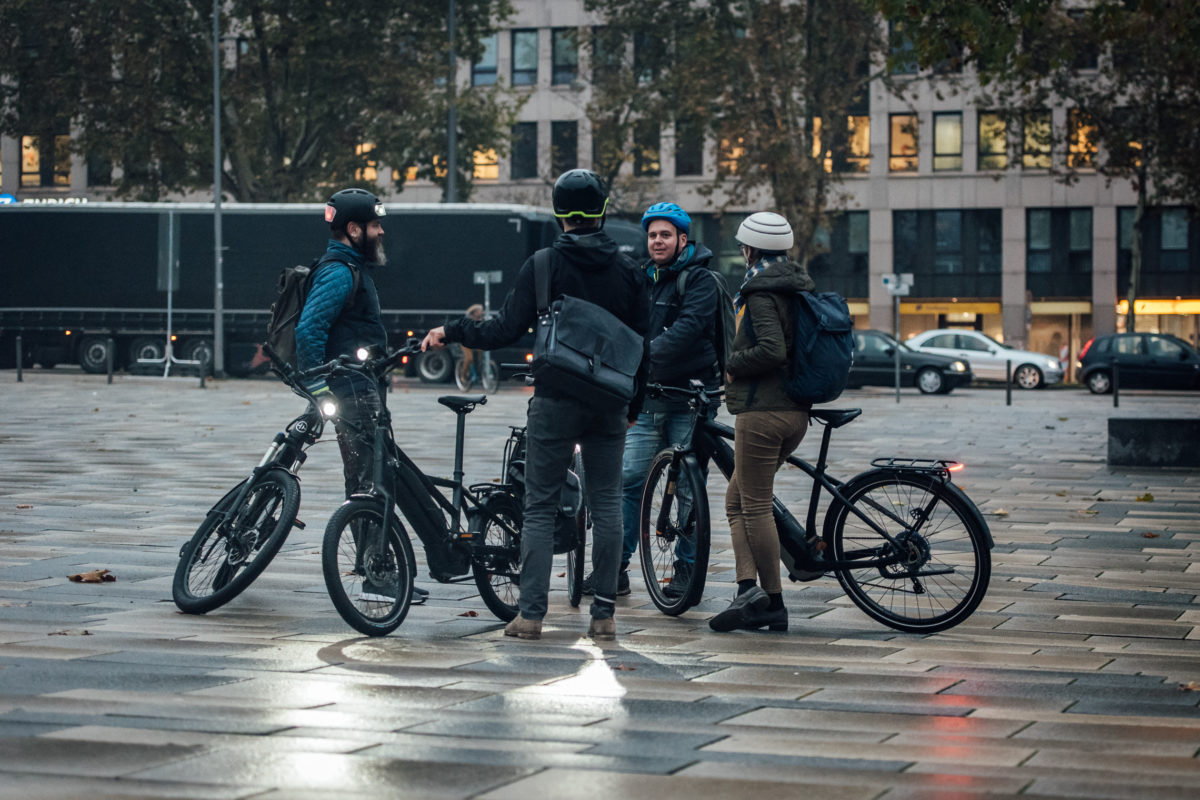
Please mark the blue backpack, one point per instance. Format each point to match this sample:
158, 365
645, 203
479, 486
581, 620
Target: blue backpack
822, 348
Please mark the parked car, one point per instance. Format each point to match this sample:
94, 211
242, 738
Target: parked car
875, 365
988, 358
1144, 361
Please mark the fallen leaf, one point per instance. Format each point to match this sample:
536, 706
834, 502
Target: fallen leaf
24, 505
1190, 686
999, 512
84, 632
245, 402
1149, 535
469, 614
1061, 494
95, 576
94, 410
1145, 498
623, 668
1087, 511
1048, 427
562, 574
1063, 419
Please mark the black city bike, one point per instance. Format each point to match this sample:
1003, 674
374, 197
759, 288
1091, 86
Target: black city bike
245, 529
367, 557
907, 546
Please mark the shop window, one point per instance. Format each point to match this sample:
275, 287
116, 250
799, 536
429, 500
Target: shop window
858, 232
564, 146
902, 143
1081, 140
524, 57
947, 241
45, 161
1174, 237
993, 141
1036, 140
947, 141
485, 165
483, 71
646, 142
564, 56
1037, 240
524, 151
1079, 233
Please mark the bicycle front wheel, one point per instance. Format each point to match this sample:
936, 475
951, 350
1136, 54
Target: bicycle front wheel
496, 559
936, 572
235, 542
674, 531
490, 378
577, 556
369, 576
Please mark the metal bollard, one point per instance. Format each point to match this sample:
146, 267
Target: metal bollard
1008, 382
109, 358
1116, 381
20, 376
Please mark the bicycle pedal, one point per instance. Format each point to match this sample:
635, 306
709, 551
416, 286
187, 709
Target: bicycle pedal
299, 524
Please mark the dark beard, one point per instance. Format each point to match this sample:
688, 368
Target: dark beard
372, 251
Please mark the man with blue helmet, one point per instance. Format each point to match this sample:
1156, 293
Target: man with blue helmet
683, 347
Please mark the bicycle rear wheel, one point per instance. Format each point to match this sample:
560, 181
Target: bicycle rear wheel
674, 530
235, 544
496, 559
369, 578
490, 377
577, 556
940, 570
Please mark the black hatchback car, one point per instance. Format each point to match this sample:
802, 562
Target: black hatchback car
875, 365
1144, 361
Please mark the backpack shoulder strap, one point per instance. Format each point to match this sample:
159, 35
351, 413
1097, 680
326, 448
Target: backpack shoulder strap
355, 274
681, 281
541, 279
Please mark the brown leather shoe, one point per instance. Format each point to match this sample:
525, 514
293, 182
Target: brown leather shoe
524, 628
603, 629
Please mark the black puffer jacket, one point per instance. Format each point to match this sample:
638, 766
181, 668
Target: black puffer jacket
585, 264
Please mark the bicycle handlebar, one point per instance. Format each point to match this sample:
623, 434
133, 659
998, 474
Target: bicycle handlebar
344, 363
686, 392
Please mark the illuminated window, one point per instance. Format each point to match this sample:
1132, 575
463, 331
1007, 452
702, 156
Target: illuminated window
1081, 136
729, 155
486, 165
1036, 140
564, 56
483, 71
902, 144
947, 141
46, 160
31, 161
646, 142
855, 155
993, 141
524, 57
368, 171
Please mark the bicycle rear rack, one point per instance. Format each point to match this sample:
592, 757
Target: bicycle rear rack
926, 466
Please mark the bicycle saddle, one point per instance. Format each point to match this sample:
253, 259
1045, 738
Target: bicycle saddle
462, 404
835, 418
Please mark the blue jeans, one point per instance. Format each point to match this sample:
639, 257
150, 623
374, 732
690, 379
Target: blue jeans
652, 432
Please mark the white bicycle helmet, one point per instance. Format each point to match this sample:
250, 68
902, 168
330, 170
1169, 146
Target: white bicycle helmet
766, 230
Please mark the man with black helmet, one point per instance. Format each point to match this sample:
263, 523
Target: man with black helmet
584, 263
341, 315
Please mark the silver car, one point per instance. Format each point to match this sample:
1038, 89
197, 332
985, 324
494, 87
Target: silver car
989, 358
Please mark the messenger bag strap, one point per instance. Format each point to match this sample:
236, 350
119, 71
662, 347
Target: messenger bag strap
541, 280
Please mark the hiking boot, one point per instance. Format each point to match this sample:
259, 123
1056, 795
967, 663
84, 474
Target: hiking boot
603, 629
681, 580
741, 611
589, 584
524, 628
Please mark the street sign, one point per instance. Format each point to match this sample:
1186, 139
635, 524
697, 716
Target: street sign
898, 284
494, 276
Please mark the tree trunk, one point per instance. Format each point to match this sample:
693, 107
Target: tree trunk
1135, 256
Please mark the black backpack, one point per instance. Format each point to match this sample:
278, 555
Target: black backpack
822, 348
293, 287
726, 321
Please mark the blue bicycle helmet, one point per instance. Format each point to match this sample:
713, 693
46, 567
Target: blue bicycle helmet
671, 213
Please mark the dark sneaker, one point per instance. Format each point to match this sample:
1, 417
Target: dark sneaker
681, 580
740, 611
419, 596
589, 584
776, 620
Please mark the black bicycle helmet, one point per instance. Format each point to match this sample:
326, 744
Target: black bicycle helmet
352, 205
580, 193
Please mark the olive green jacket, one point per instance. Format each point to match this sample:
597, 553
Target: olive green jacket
757, 362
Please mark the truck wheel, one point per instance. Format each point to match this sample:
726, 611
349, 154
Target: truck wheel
145, 347
435, 366
197, 350
93, 354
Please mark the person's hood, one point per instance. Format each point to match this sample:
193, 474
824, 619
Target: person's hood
780, 276
588, 249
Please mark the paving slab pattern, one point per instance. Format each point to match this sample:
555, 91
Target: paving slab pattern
1065, 683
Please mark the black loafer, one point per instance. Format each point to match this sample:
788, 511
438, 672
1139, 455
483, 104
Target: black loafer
741, 610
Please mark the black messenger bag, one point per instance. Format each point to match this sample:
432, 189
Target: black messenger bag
581, 349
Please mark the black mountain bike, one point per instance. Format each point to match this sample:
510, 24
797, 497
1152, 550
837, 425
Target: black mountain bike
907, 545
245, 529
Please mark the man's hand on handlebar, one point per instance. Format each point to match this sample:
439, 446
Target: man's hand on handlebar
436, 339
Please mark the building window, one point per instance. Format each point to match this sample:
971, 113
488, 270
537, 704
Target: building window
564, 146
1088, 54
904, 59
645, 47
483, 71
840, 263
947, 141
99, 171
1081, 140
486, 165
689, 147
647, 140
993, 142
608, 51
947, 242
1058, 251
854, 155
1174, 238
564, 56
45, 161
524, 151
524, 57
729, 155
1079, 225
608, 147
1037, 240
902, 147
368, 171
1036, 140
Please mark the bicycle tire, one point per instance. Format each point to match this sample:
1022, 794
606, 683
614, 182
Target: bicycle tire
496, 561
369, 583
490, 378
950, 537
219, 562
577, 556
463, 382
657, 550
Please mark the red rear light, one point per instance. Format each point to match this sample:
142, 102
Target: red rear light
1083, 352
403, 359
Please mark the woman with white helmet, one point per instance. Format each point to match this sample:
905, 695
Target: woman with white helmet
768, 425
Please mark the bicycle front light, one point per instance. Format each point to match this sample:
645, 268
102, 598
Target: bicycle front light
328, 409
362, 353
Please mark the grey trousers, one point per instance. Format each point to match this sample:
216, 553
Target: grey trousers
555, 427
